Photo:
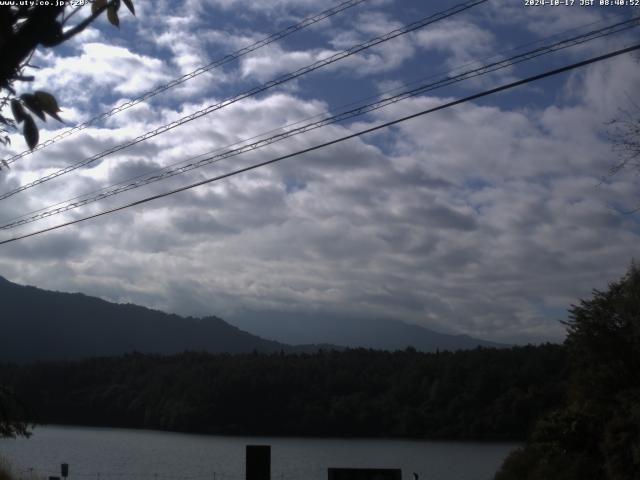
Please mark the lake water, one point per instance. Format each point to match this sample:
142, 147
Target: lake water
118, 454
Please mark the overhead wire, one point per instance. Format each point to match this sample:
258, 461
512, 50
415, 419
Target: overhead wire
184, 167
274, 37
469, 98
254, 91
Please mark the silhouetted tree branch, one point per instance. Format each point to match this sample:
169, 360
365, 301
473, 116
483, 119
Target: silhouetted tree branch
22, 30
624, 133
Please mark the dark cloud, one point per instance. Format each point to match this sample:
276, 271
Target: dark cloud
39, 252
202, 223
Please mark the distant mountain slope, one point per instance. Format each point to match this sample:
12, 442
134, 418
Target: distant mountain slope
350, 332
41, 325
38, 324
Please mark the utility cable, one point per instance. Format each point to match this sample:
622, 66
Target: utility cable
274, 37
184, 167
405, 84
254, 91
476, 96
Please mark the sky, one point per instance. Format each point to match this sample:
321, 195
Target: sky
489, 218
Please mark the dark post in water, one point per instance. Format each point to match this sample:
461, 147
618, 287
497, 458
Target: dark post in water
258, 462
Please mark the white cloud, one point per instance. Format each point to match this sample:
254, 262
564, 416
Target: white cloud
101, 66
463, 40
359, 233
481, 219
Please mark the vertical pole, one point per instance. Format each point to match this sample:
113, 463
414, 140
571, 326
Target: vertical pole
258, 462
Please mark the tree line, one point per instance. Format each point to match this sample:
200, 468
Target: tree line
477, 394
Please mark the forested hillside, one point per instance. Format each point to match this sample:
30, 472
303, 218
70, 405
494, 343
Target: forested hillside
41, 325
482, 393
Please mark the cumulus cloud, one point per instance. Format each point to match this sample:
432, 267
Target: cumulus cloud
487, 219
462, 40
88, 76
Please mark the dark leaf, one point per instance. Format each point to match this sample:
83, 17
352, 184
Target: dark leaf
56, 116
97, 5
130, 6
48, 104
33, 104
112, 16
47, 101
30, 132
17, 110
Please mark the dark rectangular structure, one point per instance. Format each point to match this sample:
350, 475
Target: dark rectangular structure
258, 462
365, 474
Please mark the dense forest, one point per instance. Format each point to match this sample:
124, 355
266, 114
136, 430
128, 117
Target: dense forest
479, 394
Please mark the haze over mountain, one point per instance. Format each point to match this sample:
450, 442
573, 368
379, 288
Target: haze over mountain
377, 333
41, 325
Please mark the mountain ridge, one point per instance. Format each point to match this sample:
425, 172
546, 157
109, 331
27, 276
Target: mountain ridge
351, 332
44, 325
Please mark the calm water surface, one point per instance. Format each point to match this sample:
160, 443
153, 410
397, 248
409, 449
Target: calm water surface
116, 454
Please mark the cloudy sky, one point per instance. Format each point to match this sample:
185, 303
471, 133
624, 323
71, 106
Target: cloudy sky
489, 218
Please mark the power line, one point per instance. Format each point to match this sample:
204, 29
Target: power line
198, 71
476, 96
254, 91
168, 172
405, 84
